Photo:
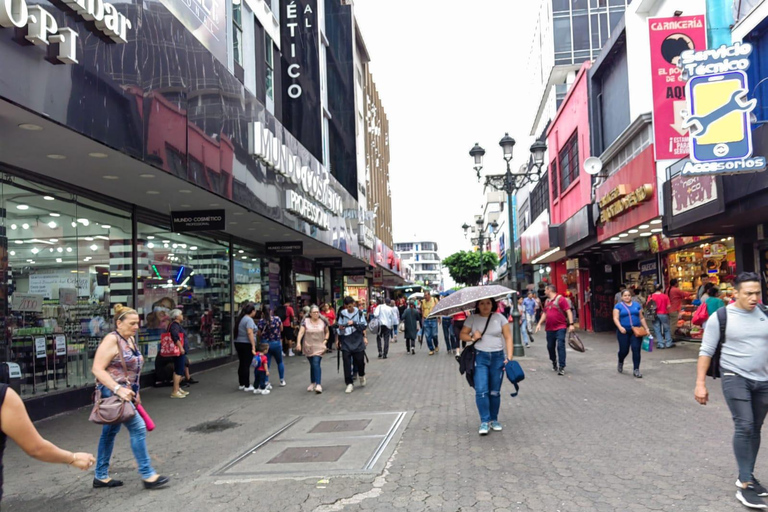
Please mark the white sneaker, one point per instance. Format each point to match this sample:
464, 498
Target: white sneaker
257, 391
241, 388
290, 353
249, 389
362, 381
349, 389
282, 383
268, 386
265, 391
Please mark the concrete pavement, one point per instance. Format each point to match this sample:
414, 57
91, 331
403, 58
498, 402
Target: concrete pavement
589, 440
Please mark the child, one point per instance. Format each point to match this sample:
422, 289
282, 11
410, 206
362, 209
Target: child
260, 370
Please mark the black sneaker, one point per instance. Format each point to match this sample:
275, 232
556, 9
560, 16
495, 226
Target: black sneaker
620, 368
554, 367
561, 371
637, 374
759, 488
749, 497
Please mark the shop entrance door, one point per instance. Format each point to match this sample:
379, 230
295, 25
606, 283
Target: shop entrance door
585, 312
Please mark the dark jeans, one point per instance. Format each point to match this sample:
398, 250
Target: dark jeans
748, 401
276, 352
556, 338
358, 358
410, 344
458, 325
625, 342
489, 373
451, 340
259, 379
385, 333
314, 369
245, 356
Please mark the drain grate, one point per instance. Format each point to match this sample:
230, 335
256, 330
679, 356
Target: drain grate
311, 454
340, 426
212, 427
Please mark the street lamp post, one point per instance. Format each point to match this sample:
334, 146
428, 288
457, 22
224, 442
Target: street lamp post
481, 239
510, 183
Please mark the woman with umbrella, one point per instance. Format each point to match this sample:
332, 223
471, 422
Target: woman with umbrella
489, 334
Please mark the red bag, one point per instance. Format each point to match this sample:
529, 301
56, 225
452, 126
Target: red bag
168, 347
701, 315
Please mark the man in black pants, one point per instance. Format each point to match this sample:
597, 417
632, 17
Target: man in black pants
744, 369
352, 341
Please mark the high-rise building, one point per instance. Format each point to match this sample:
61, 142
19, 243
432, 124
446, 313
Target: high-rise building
423, 258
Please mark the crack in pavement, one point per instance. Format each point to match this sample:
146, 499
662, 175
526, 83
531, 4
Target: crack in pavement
375, 492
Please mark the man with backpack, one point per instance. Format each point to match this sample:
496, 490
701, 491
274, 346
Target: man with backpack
735, 346
352, 341
657, 311
287, 315
558, 318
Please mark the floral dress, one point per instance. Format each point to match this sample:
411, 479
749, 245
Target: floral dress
269, 333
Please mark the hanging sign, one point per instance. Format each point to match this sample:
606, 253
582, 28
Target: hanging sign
378, 277
31, 302
718, 111
40, 348
285, 248
60, 344
199, 220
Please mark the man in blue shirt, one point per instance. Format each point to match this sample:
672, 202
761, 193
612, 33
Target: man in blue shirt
529, 303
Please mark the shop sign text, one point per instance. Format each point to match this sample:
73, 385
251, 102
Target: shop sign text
365, 236
619, 201
276, 155
307, 210
42, 28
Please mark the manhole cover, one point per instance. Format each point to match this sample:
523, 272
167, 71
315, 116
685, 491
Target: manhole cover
340, 426
210, 427
309, 454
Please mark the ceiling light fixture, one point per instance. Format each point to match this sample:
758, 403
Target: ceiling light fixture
58, 260
644, 226
31, 127
22, 207
96, 154
184, 191
54, 240
152, 192
150, 245
69, 249
150, 237
49, 198
146, 175
646, 234
35, 250
106, 226
656, 221
632, 231
110, 177
623, 235
657, 230
12, 253
55, 214
84, 222
94, 247
18, 242
25, 226
193, 248
14, 226
88, 239
52, 225
56, 157
59, 249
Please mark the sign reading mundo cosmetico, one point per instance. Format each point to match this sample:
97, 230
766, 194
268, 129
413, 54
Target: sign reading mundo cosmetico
718, 111
42, 29
199, 220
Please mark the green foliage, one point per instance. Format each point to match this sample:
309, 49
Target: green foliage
464, 266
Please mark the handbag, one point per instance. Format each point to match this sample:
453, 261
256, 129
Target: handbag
637, 331
168, 347
575, 342
113, 409
701, 315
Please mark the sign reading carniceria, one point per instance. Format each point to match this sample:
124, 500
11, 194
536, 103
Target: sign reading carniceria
315, 183
42, 29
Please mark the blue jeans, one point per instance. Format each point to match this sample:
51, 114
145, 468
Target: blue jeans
276, 352
430, 332
138, 432
489, 373
663, 331
558, 337
314, 369
625, 342
524, 332
259, 379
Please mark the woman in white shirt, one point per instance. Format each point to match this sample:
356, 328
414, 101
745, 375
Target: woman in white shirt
490, 334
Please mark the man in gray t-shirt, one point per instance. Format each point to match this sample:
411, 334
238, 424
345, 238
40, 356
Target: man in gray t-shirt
744, 368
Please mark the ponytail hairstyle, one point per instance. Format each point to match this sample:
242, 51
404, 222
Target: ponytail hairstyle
266, 314
246, 311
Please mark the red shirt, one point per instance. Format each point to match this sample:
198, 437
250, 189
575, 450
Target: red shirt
662, 303
460, 317
290, 314
676, 296
556, 317
330, 316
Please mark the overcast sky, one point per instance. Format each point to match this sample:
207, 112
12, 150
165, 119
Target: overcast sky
449, 74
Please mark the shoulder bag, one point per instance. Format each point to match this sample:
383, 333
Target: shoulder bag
637, 331
168, 347
701, 314
575, 342
113, 409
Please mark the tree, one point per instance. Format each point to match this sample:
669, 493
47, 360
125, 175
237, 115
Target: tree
464, 266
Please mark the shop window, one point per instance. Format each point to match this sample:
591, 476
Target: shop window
540, 197
270, 74
65, 261
248, 278
237, 32
553, 175
175, 161
568, 160
189, 273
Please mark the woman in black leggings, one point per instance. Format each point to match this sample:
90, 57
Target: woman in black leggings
245, 345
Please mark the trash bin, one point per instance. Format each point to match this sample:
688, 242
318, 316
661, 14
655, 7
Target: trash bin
10, 373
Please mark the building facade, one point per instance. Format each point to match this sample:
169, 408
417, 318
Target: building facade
203, 174
425, 261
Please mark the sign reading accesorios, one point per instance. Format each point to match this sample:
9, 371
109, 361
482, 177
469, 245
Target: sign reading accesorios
201, 220
42, 29
718, 111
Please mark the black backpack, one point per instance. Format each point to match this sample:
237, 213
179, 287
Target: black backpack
281, 312
722, 317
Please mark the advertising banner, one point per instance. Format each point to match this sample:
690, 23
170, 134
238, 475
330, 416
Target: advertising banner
689, 192
535, 239
206, 19
669, 37
301, 73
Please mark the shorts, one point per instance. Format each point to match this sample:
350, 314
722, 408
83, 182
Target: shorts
179, 363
